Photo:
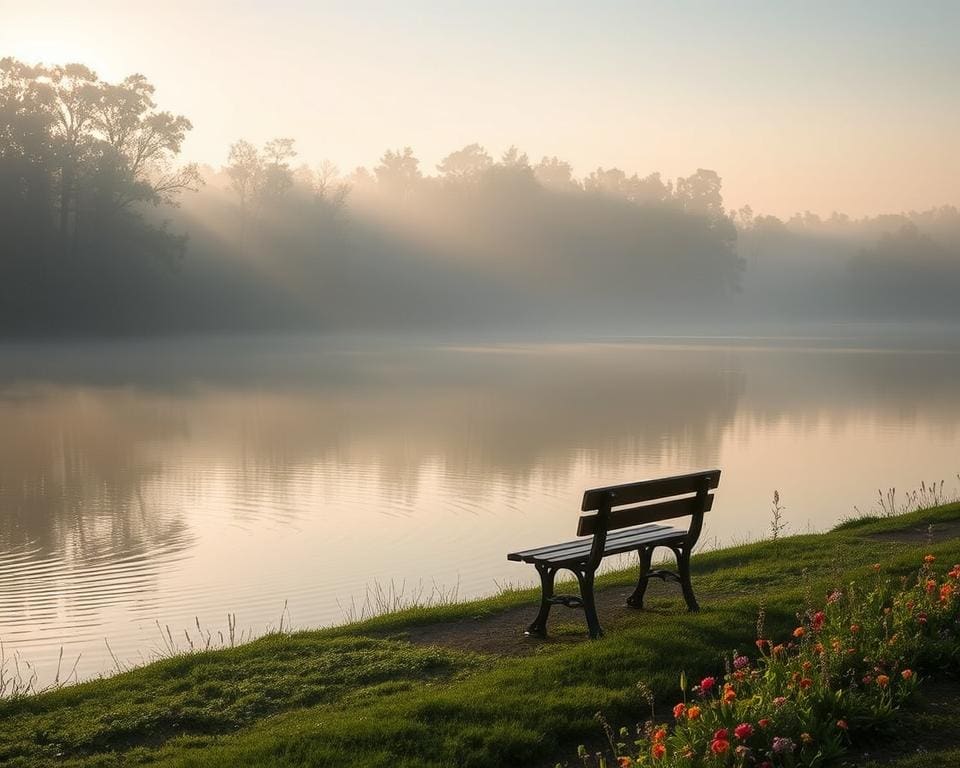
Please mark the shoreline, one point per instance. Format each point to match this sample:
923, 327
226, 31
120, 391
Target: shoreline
434, 686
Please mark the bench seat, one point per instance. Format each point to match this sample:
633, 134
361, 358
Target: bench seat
578, 550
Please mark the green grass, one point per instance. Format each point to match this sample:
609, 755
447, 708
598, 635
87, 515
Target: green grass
361, 695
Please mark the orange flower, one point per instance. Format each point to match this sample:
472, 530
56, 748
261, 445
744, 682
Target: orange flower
818, 648
693, 712
806, 738
883, 681
929, 559
946, 592
806, 683
876, 567
854, 628
729, 695
842, 725
907, 674
660, 734
799, 632
657, 750
763, 722
624, 762
930, 586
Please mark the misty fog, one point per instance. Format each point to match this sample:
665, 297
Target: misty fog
103, 231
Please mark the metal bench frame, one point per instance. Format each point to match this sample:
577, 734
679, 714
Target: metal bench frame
630, 510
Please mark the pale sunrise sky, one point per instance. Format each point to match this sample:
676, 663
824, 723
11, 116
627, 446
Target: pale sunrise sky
851, 106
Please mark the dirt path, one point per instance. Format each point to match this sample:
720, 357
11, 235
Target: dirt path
502, 633
933, 533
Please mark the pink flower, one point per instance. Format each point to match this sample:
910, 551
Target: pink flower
743, 731
706, 685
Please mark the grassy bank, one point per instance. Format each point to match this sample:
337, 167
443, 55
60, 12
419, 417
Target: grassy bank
384, 693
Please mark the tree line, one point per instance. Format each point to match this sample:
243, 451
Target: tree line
103, 230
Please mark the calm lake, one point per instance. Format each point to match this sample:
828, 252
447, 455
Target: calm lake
153, 484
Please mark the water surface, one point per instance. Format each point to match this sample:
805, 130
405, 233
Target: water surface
165, 483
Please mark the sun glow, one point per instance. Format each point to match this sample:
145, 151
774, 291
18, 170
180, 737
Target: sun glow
52, 51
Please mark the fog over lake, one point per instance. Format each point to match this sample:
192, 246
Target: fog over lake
176, 481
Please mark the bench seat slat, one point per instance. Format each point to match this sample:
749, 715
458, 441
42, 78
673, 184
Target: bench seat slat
624, 540
578, 543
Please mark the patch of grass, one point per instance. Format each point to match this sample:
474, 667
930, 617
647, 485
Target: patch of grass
346, 696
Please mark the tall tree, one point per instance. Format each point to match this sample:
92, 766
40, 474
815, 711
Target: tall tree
465, 165
398, 173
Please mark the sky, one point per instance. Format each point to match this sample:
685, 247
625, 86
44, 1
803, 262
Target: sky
821, 106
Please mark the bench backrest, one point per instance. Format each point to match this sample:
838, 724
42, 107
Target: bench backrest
620, 506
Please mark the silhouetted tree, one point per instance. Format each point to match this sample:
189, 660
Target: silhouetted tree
465, 165
398, 173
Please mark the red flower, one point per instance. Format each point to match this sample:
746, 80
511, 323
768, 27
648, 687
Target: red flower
907, 674
706, 685
660, 734
624, 762
799, 632
806, 683
743, 731
719, 746
721, 735
763, 722
819, 618
679, 710
657, 750
842, 725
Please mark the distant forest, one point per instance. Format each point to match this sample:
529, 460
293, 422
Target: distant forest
104, 232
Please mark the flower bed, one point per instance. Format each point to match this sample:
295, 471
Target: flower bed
849, 665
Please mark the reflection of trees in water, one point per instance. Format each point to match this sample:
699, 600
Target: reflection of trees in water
74, 477
808, 387
87, 470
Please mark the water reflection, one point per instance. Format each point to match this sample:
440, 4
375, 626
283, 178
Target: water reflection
167, 480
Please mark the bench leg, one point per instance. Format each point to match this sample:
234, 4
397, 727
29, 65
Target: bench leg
539, 626
646, 557
585, 578
683, 565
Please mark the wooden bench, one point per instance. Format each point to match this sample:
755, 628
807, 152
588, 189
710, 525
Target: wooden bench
624, 518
